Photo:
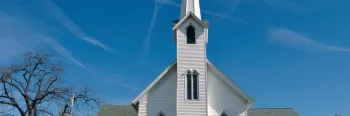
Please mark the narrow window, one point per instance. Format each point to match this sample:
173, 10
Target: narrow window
192, 85
195, 85
189, 87
191, 38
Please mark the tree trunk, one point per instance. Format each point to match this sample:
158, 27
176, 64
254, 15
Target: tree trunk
35, 111
30, 112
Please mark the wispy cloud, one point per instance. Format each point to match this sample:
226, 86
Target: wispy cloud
168, 2
64, 52
55, 12
223, 16
287, 37
120, 81
150, 28
12, 37
285, 4
233, 4
20, 33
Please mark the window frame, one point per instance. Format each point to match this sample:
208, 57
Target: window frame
195, 84
189, 77
194, 34
192, 73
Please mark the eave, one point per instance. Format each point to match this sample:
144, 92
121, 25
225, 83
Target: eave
204, 23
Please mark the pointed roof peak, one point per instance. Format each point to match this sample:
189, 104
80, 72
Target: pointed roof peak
190, 6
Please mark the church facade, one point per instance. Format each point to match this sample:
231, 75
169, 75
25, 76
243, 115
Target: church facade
192, 85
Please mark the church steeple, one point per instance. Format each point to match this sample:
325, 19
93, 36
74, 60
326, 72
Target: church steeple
191, 36
190, 6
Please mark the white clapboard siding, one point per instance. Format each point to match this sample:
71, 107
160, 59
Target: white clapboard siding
191, 56
143, 107
162, 97
223, 98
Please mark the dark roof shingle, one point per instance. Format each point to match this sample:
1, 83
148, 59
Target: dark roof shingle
116, 110
126, 110
272, 112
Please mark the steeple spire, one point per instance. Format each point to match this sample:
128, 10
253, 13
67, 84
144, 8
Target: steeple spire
190, 6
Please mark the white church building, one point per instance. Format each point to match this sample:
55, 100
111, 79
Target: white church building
192, 85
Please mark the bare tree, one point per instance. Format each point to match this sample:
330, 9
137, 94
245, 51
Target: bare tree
33, 86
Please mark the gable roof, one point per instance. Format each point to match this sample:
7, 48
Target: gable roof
240, 92
194, 17
126, 110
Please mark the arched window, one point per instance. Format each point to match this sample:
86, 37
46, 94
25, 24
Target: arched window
192, 85
160, 114
191, 35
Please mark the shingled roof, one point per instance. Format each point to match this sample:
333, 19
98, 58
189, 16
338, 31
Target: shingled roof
126, 110
272, 112
116, 110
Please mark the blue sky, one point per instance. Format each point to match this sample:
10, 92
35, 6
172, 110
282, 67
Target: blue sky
283, 53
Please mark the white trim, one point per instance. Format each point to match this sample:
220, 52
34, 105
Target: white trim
206, 35
194, 17
191, 76
196, 71
188, 70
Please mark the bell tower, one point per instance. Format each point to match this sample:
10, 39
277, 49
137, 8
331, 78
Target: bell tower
191, 37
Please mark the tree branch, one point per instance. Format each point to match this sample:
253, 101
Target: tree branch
41, 84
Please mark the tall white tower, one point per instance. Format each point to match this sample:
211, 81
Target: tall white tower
191, 36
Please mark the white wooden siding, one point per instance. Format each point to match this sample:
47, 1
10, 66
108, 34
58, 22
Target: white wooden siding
162, 97
222, 98
191, 56
143, 106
